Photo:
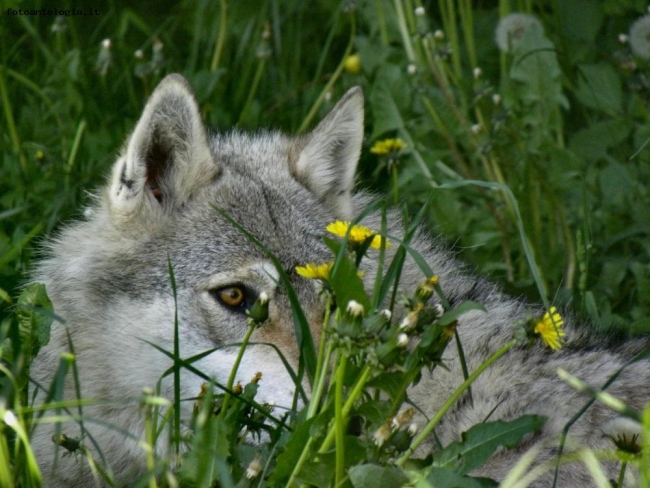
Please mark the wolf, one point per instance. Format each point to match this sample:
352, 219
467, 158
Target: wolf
108, 278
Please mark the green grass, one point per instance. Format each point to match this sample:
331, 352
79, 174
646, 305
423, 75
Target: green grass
536, 165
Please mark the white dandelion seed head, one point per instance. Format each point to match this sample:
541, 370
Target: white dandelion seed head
639, 37
475, 128
387, 314
328, 96
623, 38
354, 308
477, 72
106, 43
419, 11
402, 340
411, 69
511, 29
496, 99
439, 35
264, 298
412, 429
139, 54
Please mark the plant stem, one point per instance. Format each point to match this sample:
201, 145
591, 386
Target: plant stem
253, 90
218, 49
332, 80
451, 400
340, 421
231, 379
354, 394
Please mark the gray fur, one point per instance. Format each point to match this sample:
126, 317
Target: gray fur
108, 278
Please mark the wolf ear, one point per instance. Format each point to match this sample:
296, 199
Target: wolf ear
328, 156
167, 158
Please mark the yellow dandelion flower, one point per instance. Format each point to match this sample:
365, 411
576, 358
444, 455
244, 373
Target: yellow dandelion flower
387, 146
358, 233
352, 64
315, 271
550, 329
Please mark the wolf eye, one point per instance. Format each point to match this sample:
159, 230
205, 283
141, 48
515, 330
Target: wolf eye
231, 296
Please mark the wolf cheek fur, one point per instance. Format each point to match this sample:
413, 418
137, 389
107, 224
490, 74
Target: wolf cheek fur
108, 277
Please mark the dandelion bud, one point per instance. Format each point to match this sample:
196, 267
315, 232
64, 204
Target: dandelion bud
409, 321
10, 419
104, 58
352, 64
412, 429
402, 418
411, 69
381, 435
266, 33
387, 314
433, 280
625, 433
259, 312
355, 309
419, 11
238, 388
402, 340
256, 378
438, 35
270, 405
477, 72
254, 468
424, 291
438, 309
59, 24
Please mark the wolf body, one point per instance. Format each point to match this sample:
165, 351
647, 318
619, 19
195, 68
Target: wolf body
108, 277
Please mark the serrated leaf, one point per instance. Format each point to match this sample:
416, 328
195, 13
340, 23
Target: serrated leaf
374, 476
479, 443
35, 318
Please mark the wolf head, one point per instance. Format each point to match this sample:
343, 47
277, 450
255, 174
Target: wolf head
164, 204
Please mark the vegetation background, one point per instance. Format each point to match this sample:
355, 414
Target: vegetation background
560, 118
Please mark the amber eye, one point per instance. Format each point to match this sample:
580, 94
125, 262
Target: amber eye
231, 296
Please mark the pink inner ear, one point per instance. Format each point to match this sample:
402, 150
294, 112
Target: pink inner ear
157, 193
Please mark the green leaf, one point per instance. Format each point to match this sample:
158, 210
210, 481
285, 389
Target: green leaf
345, 280
599, 87
286, 461
479, 442
461, 309
35, 317
374, 476
209, 453
448, 478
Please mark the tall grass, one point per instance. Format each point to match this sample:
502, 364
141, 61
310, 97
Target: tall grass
553, 130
